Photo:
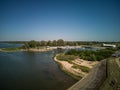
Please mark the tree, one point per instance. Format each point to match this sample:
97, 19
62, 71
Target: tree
43, 43
60, 42
49, 43
32, 44
25, 46
71, 43
54, 43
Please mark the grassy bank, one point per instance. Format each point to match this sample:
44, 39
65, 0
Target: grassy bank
82, 68
78, 69
70, 58
113, 76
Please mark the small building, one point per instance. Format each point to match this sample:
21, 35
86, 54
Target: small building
109, 45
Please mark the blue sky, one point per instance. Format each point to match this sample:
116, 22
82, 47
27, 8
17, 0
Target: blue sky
84, 20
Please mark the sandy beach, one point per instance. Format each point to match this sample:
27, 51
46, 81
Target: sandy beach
66, 66
86, 63
39, 50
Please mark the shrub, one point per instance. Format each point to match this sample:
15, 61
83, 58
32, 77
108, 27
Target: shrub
92, 55
66, 57
82, 68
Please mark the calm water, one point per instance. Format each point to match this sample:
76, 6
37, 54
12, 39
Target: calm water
31, 71
7, 45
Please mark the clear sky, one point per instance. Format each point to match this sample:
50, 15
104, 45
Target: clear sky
84, 20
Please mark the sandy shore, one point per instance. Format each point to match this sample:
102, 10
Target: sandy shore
77, 72
39, 50
86, 63
68, 67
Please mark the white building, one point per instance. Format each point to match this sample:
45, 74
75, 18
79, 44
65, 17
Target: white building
109, 45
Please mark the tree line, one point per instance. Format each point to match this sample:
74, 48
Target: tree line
59, 42
33, 43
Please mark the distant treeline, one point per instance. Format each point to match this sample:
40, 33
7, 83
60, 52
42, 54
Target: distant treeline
92, 55
65, 42
59, 42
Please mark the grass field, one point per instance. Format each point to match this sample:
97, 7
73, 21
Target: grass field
113, 75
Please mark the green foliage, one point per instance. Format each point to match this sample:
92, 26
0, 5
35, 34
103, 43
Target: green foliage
91, 55
68, 58
32, 43
70, 43
25, 46
43, 43
54, 43
118, 47
10, 49
60, 42
49, 43
82, 68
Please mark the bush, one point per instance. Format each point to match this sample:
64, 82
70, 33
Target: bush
66, 57
92, 55
82, 68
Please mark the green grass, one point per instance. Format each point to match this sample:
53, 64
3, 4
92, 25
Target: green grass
113, 76
68, 58
10, 49
82, 68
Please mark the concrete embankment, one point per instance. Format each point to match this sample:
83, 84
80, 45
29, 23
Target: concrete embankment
112, 81
93, 80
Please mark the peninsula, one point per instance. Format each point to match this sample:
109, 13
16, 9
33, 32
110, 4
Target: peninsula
84, 61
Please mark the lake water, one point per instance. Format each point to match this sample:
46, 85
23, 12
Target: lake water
31, 71
8, 45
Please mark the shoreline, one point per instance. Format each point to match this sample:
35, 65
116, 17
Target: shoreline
66, 70
38, 49
29, 50
74, 72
